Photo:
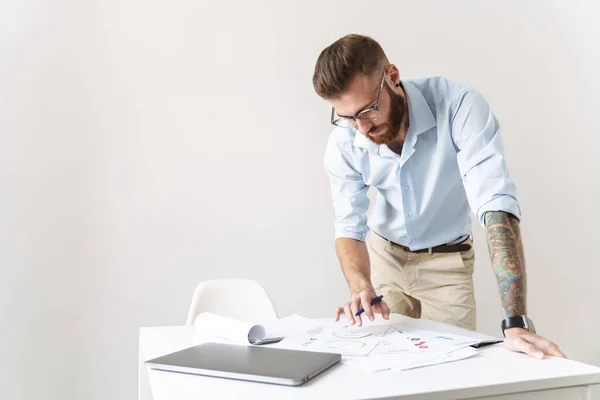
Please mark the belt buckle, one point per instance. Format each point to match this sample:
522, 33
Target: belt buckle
430, 250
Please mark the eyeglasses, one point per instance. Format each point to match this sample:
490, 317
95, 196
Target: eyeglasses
368, 114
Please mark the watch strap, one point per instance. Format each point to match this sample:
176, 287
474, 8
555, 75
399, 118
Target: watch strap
519, 321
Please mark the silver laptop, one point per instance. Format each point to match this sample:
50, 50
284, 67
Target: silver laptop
251, 363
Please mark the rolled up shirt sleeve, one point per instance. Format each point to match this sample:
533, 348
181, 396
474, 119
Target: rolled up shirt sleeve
485, 175
348, 190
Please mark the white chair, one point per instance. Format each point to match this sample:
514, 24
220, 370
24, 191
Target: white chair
242, 299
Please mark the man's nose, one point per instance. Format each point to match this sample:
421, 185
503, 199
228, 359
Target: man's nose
363, 126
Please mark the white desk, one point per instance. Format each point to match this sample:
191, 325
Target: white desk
495, 373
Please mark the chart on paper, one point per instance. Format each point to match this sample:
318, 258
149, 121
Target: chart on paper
352, 334
417, 341
340, 339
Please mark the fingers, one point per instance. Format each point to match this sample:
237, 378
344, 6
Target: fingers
338, 312
384, 310
519, 344
349, 313
544, 345
366, 305
362, 300
354, 307
554, 350
533, 345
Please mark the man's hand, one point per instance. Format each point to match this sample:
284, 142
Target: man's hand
524, 341
363, 299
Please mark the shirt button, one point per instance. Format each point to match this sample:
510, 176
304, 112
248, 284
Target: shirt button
410, 213
406, 187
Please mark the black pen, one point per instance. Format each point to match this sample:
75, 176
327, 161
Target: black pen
373, 302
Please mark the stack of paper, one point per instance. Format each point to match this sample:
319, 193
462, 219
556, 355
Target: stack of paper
380, 345
412, 348
346, 341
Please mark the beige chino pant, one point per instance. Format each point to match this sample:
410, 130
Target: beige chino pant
437, 286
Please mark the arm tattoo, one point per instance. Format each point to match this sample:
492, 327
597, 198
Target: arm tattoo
508, 261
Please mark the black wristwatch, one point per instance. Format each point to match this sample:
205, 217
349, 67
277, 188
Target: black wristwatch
520, 321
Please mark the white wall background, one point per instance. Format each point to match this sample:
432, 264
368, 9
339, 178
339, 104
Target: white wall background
149, 145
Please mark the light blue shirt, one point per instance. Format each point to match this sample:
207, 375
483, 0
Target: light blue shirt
452, 162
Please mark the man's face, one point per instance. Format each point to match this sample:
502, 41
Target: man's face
362, 94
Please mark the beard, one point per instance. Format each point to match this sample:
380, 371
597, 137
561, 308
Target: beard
391, 129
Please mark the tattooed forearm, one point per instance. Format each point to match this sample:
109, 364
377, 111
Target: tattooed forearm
508, 261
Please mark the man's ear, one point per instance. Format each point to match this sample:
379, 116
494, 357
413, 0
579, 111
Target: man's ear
394, 75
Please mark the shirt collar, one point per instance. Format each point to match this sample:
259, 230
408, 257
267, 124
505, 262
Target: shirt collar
420, 116
421, 119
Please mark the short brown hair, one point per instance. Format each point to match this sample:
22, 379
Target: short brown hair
341, 61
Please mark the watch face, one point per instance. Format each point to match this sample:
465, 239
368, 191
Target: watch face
530, 324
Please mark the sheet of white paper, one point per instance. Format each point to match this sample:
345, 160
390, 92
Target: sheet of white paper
293, 324
397, 351
403, 322
460, 354
418, 341
399, 362
334, 339
228, 328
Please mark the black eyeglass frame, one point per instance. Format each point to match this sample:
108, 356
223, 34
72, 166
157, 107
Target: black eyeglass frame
336, 121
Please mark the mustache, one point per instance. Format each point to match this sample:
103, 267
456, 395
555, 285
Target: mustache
376, 128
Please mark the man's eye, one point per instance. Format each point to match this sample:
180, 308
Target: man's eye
368, 109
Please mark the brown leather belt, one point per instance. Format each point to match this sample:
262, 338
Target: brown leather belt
444, 248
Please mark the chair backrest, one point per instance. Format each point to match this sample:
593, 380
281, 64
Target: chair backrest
242, 299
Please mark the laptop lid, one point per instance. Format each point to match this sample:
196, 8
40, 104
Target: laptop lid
252, 363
